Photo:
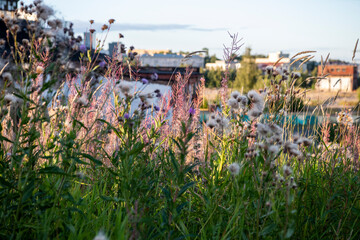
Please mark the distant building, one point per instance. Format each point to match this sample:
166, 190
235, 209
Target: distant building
8, 7
115, 48
171, 60
272, 59
339, 78
151, 51
90, 40
220, 64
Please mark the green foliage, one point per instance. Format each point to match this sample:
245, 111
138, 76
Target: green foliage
70, 169
248, 76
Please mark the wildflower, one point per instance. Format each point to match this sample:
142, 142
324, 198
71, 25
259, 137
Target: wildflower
212, 116
234, 169
144, 81
104, 27
92, 30
233, 104
102, 64
211, 123
344, 118
14, 28
295, 152
25, 42
52, 24
156, 108
276, 129
288, 146
125, 87
235, 94
126, 116
295, 75
274, 149
7, 77
254, 113
287, 170
192, 111
255, 97
269, 69
83, 48
39, 69
268, 204
305, 141
224, 123
243, 101
44, 11
121, 36
9, 98
82, 101
91, 21
80, 175
59, 23
111, 21
100, 236
154, 76
263, 129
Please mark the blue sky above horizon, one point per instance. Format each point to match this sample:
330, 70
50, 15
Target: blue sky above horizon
265, 26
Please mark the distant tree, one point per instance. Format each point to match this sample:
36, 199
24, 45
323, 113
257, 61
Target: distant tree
249, 76
213, 78
206, 50
213, 58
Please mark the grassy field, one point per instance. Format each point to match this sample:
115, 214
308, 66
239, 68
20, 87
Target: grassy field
76, 162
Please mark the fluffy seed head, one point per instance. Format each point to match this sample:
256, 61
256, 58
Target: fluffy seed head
234, 169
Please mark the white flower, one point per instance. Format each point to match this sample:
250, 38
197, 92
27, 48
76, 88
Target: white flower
274, 149
39, 69
263, 129
125, 87
10, 98
234, 169
100, 236
82, 101
254, 113
256, 99
7, 77
287, 170
211, 123
233, 104
235, 94
276, 129
243, 101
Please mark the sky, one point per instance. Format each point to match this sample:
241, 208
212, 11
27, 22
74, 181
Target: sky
326, 26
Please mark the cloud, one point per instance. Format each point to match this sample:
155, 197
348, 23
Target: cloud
81, 26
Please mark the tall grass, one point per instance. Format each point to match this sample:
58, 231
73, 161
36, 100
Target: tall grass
79, 160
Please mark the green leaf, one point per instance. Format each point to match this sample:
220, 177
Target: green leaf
88, 55
91, 158
185, 187
289, 232
268, 229
52, 170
